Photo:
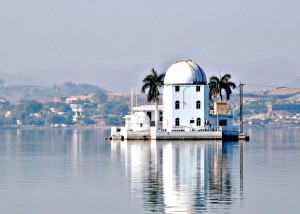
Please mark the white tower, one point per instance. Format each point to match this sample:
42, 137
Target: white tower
185, 96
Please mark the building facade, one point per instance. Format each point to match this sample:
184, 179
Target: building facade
184, 113
185, 96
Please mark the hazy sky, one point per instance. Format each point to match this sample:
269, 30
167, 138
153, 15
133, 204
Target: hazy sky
57, 38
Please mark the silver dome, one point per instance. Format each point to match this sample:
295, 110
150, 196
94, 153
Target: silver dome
185, 72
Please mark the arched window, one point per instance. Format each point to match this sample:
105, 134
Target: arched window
177, 122
198, 105
177, 105
198, 121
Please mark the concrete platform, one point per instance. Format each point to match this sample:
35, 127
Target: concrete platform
153, 134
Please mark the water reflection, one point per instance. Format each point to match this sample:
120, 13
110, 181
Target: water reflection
182, 176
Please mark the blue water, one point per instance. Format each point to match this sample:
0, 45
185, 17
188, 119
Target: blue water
77, 171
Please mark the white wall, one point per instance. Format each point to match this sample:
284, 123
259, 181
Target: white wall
214, 121
187, 96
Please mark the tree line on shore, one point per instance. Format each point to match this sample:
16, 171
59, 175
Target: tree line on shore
94, 111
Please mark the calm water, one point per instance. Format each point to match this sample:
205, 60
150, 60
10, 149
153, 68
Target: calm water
76, 171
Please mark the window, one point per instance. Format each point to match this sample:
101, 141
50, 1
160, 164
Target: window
198, 88
177, 88
149, 115
177, 121
177, 105
198, 105
198, 121
222, 122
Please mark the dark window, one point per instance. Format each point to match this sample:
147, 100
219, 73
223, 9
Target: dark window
198, 121
149, 115
198, 105
177, 88
222, 122
192, 121
177, 122
177, 105
198, 88
161, 116
141, 125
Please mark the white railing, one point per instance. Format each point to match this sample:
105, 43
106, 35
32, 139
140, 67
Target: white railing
196, 129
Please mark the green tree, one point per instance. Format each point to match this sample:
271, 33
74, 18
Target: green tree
152, 82
33, 120
69, 118
63, 107
53, 118
113, 112
52, 104
11, 120
100, 96
87, 121
30, 106
216, 85
112, 120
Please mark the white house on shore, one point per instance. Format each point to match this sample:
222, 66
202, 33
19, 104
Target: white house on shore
184, 113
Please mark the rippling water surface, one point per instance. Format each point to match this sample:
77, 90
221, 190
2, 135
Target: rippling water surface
76, 171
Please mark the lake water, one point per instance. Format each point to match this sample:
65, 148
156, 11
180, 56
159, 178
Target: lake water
76, 171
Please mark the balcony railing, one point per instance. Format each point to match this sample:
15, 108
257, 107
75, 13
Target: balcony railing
196, 129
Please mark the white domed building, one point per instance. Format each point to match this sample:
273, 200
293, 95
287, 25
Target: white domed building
184, 113
185, 96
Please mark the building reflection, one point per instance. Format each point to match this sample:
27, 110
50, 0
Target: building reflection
183, 176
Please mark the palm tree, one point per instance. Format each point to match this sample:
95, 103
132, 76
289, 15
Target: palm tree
216, 85
153, 82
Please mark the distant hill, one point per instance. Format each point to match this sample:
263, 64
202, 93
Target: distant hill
116, 79
295, 83
281, 92
18, 79
29, 92
69, 89
263, 73
257, 74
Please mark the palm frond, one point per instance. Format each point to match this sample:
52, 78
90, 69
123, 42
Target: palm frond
216, 85
152, 82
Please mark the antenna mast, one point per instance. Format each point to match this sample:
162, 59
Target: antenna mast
131, 93
136, 96
241, 109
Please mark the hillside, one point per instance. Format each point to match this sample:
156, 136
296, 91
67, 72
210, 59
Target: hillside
19, 79
30, 92
278, 106
295, 83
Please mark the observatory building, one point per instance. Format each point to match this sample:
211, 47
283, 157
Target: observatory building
185, 112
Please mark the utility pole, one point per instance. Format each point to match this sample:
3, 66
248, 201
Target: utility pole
241, 108
242, 135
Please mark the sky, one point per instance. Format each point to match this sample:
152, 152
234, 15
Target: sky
115, 43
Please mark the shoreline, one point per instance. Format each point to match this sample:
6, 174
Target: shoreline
27, 127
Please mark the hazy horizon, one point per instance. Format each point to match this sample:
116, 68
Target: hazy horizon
114, 44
